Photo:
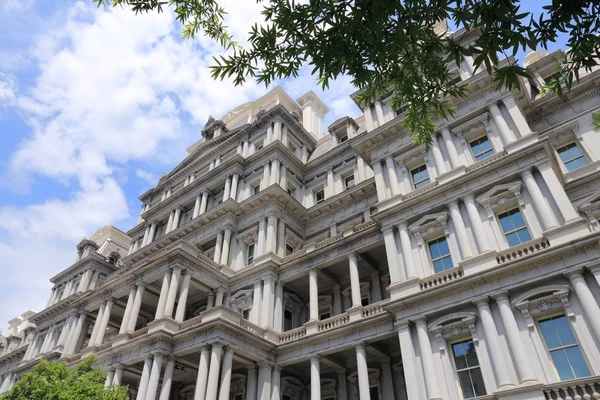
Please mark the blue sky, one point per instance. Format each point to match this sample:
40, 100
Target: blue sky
94, 106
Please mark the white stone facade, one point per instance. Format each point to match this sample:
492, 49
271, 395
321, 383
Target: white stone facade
279, 263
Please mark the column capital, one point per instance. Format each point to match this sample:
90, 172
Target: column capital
574, 274
177, 267
141, 285
387, 229
315, 357
160, 354
482, 302
360, 346
453, 204
265, 364
500, 297
403, 225
420, 321
526, 173
469, 197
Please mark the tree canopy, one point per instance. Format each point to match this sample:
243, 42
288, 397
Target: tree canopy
393, 47
56, 381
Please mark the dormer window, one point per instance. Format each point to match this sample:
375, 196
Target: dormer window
420, 176
343, 138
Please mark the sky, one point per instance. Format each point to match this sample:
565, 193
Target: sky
95, 105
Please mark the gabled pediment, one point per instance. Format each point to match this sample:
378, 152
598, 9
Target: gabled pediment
429, 223
500, 194
590, 203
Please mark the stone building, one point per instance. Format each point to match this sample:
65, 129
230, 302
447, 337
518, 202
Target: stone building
279, 262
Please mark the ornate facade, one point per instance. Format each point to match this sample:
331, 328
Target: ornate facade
277, 262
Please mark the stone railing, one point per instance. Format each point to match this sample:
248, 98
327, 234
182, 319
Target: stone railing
372, 309
328, 241
442, 277
333, 322
208, 261
191, 322
250, 327
292, 334
586, 388
525, 249
139, 332
364, 226
293, 256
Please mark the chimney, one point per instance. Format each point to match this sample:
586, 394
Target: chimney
313, 111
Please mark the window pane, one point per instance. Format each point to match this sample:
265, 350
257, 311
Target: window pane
478, 384
524, 235
438, 266
448, 263
563, 331
434, 249
506, 222
465, 384
577, 362
444, 249
576, 163
459, 355
562, 364
549, 333
517, 218
471, 355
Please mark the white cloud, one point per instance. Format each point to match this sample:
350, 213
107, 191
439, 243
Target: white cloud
147, 176
8, 88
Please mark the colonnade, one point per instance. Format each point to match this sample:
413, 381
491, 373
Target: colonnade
87, 280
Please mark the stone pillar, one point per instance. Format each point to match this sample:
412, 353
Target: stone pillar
431, 380
104, 323
183, 296
315, 378
95, 329
354, 280
260, 240
515, 343
363, 372
391, 170
379, 181
438, 159
118, 374
505, 132
278, 312
154, 377
137, 304
165, 390
375, 287
264, 183
225, 247
337, 300
587, 299
251, 383
227, 189
127, 313
539, 202
255, 314
170, 304
152, 232
164, 293
368, 118
275, 171
387, 382
407, 252
271, 238
196, 211
218, 245
461, 231
283, 177
408, 360
176, 218
281, 238
268, 301
476, 224
342, 392
213, 371
558, 192
276, 383
226, 374
204, 203
110, 376
234, 186
264, 381
517, 116
219, 296
493, 344
313, 295
451, 147
391, 250
202, 378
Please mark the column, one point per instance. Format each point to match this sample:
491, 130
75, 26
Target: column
260, 245
202, 378
407, 252
95, 279
127, 313
275, 171
105, 320
354, 280
250, 383
225, 246
281, 238
172, 291
76, 333
539, 202
408, 360
146, 236
342, 392
375, 287
476, 224
438, 158
391, 251
234, 186
337, 300
137, 304
83, 283
451, 147
276, 383
493, 344
313, 295
227, 189
558, 192
152, 232
517, 116
505, 132
315, 378
391, 170
379, 113
110, 376
283, 177
204, 202
264, 382
271, 239
368, 118
165, 390
278, 312
95, 329
386, 379
170, 221
363, 372
218, 244
431, 380
154, 377
256, 304
213, 371
164, 292
264, 183
379, 181
268, 301
587, 299
515, 343
196, 211
330, 184
219, 296
176, 218
118, 377
183, 296
226, 374
461, 231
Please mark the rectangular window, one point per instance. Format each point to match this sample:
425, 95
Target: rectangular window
556, 75
364, 301
255, 189
571, 156
563, 348
288, 249
468, 370
320, 196
349, 181
514, 227
250, 254
420, 176
343, 138
246, 313
481, 148
440, 254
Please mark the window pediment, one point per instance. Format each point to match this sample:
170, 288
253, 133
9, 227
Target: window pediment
292, 302
544, 300
590, 203
242, 299
501, 196
430, 225
454, 326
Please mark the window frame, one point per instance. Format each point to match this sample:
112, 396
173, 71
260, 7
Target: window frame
456, 369
346, 178
526, 226
491, 149
449, 255
250, 258
316, 195
579, 147
420, 183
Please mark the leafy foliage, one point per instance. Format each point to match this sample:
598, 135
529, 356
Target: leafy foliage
394, 47
56, 381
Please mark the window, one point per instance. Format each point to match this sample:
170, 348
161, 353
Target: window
549, 79
290, 191
259, 145
481, 148
250, 254
288, 249
467, 368
325, 315
454, 81
373, 392
343, 138
364, 301
288, 320
563, 348
349, 181
514, 227
571, 156
320, 196
246, 313
440, 254
255, 189
420, 176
